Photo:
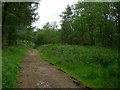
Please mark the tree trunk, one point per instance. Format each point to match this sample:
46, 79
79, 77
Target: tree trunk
4, 9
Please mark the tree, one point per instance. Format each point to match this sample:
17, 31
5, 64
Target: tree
91, 23
48, 35
17, 16
66, 25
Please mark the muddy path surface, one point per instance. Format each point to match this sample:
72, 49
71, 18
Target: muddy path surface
38, 73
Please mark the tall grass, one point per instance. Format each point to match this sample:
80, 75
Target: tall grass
11, 57
95, 67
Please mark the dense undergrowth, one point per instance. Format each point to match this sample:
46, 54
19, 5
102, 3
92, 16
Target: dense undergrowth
95, 67
11, 57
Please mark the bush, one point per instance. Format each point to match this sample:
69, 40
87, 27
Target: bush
24, 43
47, 37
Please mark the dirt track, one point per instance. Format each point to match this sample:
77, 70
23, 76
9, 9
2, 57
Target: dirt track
38, 73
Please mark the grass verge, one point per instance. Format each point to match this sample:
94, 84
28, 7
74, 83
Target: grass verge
95, 67
11, 57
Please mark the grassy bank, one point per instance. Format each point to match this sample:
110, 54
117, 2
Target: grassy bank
11, 57
94, 66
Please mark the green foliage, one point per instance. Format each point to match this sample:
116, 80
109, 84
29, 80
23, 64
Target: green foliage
24, 43
11, 58
94, 66
48, 35
91, 24
16, 20
27, 34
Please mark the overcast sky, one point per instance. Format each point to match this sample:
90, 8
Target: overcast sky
49, 11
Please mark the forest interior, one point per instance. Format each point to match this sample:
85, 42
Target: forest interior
83, 53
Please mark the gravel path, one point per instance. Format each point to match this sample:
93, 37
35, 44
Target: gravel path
38, 73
